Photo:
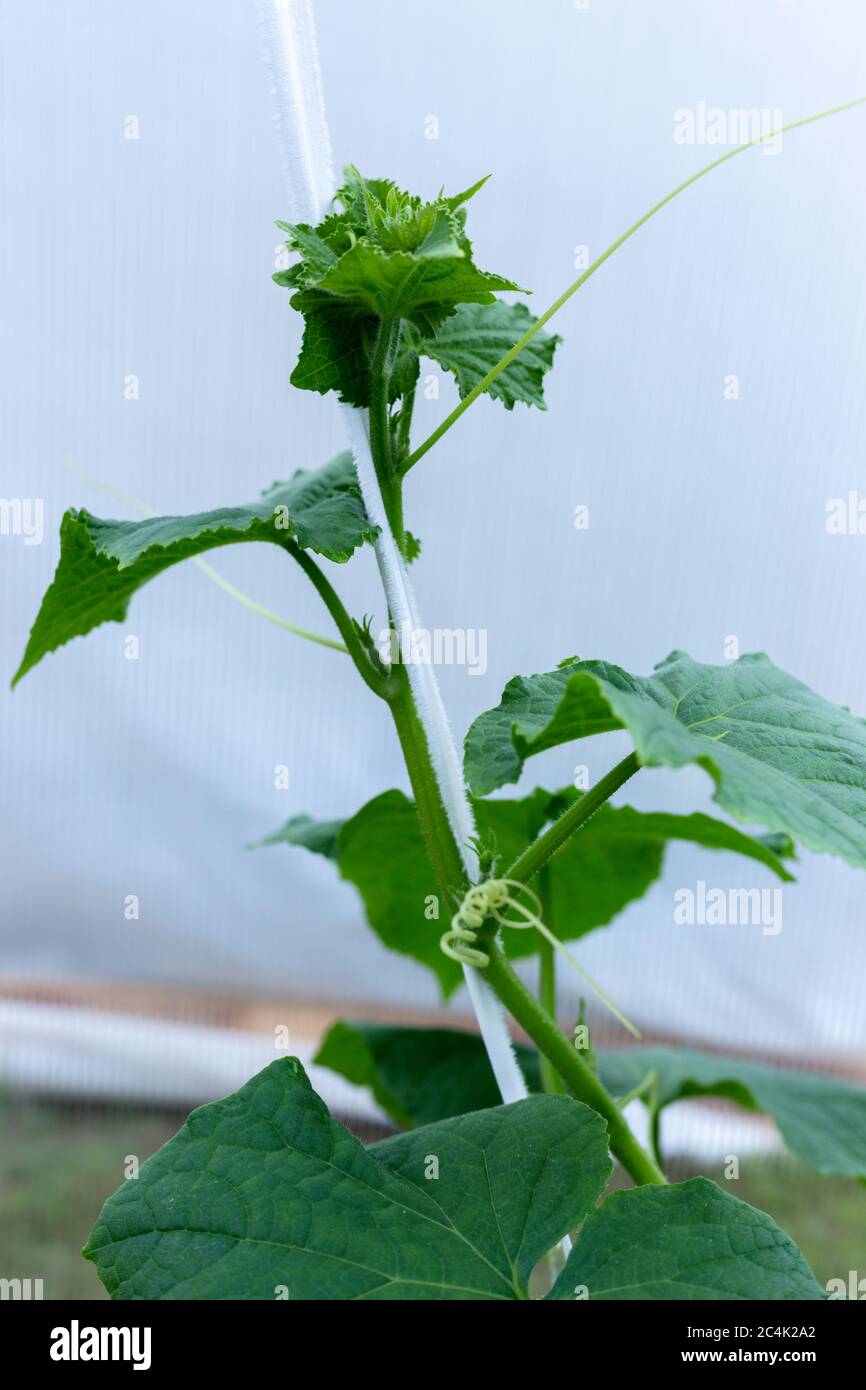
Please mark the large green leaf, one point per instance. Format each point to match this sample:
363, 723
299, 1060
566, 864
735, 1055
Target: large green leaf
475, 337
780, 755
689, 1241
420, 1075
516, 1178
820, 1118
103, 563
608, 864
264, 1192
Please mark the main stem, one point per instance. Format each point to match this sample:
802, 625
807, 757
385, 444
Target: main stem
528, 1012
442, 847
580, 1078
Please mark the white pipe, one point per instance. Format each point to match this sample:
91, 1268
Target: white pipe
291, 53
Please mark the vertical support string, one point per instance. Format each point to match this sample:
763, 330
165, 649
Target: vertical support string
291, 53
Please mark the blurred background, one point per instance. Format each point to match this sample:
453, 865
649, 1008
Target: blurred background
707, 406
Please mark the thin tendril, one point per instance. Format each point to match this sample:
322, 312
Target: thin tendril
214, 575
557, 304
494, 898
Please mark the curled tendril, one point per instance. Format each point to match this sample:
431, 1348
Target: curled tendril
496, 897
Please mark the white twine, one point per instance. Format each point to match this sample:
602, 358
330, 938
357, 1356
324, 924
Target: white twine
291, 54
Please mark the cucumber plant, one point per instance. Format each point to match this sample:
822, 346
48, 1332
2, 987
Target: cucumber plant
264, 1195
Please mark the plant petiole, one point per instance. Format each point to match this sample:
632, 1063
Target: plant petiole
536, 855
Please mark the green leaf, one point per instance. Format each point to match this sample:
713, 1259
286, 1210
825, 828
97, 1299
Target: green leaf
419, 1075
103, 563
381, 850
264, 1191
689, 1240
820, 1118
458, 199
312, 247
517, 1177
318, 836
608, 864
626, 824
475, 337
336, 348
386, 255
780, 755
419, 286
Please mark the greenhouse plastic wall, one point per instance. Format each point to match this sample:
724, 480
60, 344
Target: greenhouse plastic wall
706, 409
151, 258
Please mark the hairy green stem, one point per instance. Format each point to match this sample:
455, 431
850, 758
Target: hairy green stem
372, 675
446, 859
380, 437
533, 1018
441, 846
536, 855
579, 1077
380, 426
557, 304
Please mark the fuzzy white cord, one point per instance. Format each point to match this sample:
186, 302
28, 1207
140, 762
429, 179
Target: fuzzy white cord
291, 53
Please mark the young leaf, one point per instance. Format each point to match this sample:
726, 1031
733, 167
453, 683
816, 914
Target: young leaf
336, 348
474, 338
314, 249
458, 199
780, 755
820, 1118
387, 255
422, 285
264, 1193
690, 1241
103, 563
